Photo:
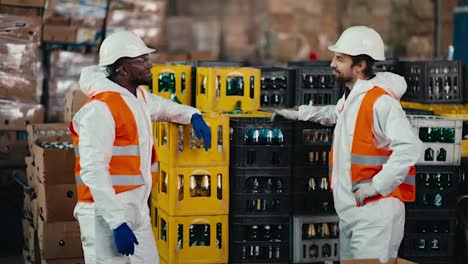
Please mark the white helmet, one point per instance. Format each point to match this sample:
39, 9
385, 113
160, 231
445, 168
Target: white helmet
359, 40
121, 44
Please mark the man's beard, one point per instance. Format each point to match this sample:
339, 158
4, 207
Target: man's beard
343, 79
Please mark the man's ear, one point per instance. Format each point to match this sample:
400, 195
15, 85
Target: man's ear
122, 70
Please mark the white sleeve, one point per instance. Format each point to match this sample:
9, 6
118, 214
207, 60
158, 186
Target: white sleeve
162, 109
95, 126
325, 115
393, 129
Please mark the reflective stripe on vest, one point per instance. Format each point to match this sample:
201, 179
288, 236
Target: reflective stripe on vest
130, 150
124, 165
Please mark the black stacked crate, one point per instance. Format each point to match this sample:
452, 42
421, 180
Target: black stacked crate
313, 206
311, 186
431, 221
260, 178
316, 85
277, 87
388, 65
434, 82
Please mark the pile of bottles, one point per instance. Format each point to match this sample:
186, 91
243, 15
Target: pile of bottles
313, 187
273, 99
316, 98
440, 154
200, 186
263, 136
199, 235
437, 134
312, 251
258, 205
430, 199
314, 136
434, 180
263, 233
443, 88
57, 145
274, 82
431, 243
51, 132
320, 230
311, 81
264, 185
436, 227
166, 82
318, 157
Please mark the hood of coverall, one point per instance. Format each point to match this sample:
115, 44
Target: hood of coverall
394, 84
93, 80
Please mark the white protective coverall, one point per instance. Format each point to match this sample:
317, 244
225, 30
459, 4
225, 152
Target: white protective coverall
375, 230
95, 126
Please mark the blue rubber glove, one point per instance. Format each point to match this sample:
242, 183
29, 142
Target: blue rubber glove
201, 130
125, 240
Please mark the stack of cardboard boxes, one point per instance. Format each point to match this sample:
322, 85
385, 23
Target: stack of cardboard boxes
73, 21
64, 75
50, 170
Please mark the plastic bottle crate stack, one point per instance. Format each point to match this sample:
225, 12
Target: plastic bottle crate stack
430, 220
434, 82
311, 186
190, 204
317, 85
277, 88
260, 173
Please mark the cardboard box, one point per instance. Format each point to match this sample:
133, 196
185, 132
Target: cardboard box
28, 3
54, 166
54, 33
17, 115
36, 131
63, 261
30, 172
376, 261
58, 240
56, 202
74, 100
28, 235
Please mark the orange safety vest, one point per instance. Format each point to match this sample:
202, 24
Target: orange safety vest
124, 166
366, 159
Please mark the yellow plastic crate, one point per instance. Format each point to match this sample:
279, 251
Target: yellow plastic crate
193, 239
437, 108
162, 261
228, 89
193, 191
173, 82
154, 218
178, 146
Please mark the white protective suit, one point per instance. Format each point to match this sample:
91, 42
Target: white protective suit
374, 230
95, 126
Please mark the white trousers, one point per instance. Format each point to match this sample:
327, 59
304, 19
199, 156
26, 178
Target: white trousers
99, 246
380, 240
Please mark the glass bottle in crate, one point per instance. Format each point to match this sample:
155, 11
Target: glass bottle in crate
313, 251
219, 187
204, 189
267, 233
180, 145
180, 187
219, 238
326, 251
193, 187
180, 236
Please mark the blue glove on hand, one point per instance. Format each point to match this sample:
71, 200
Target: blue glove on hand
125, 240
201, 130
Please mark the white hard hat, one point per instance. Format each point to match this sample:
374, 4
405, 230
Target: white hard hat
121, 44
359, 40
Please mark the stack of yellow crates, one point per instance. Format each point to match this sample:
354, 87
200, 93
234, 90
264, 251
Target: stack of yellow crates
190, 204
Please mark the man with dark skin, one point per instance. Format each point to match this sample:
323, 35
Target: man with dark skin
116, 162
